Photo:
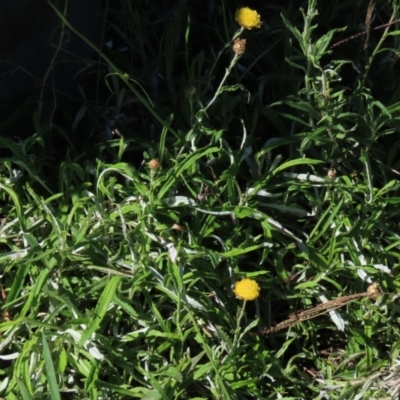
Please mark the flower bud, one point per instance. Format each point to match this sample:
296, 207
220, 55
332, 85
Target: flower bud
190, 90
239, 46
154, 164
331, 173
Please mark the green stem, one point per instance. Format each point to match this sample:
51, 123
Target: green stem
378, 46
237, 330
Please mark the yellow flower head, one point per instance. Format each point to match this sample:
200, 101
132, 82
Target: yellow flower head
247, 289
248, 18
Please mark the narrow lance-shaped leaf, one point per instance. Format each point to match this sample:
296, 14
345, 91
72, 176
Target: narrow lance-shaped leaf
50, 371
101, 308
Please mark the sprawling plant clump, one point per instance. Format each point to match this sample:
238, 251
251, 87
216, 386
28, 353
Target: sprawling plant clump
228, 226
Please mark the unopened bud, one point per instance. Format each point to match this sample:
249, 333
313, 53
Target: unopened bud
239, 46
190, 90
331, 173
154, 164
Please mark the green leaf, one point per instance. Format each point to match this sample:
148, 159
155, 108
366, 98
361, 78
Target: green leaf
293, 163
174, 173
50, 371
101, 308
24, 391
17, 205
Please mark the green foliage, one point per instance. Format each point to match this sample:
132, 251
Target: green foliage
278, 165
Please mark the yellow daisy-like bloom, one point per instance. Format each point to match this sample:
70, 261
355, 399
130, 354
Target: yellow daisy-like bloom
248, 18
247, 289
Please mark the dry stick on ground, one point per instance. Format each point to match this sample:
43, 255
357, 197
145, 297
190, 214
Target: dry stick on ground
373, 292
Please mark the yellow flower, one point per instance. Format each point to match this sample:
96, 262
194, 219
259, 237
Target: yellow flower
247, 289
248, 18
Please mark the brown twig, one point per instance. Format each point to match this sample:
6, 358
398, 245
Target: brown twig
364, 33
372, 292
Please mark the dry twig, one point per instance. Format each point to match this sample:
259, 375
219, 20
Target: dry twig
373, 292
